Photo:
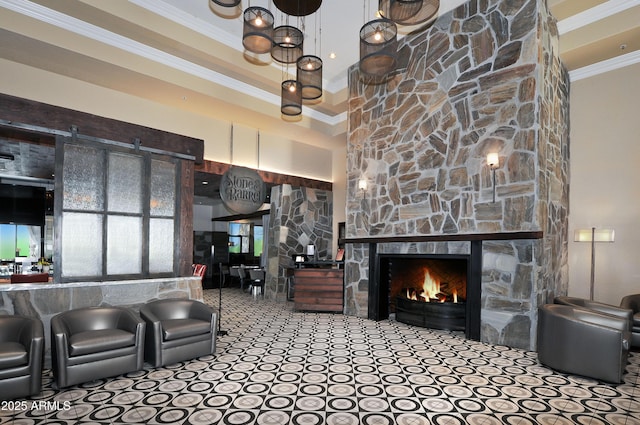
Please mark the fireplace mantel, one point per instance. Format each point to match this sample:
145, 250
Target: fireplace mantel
457, 237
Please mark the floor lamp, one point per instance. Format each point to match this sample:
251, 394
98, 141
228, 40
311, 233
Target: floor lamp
593, 235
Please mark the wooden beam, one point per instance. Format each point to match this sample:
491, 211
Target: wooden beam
269, 177
29, 112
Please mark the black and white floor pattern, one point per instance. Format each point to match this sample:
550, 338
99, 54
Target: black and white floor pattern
279, 366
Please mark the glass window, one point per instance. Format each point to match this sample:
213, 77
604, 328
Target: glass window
128, 232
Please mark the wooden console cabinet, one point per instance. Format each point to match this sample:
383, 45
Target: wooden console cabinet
319, 289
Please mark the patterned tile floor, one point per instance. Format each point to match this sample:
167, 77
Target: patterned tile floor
278, 366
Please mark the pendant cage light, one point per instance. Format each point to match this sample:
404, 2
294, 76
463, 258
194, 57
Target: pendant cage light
309, 74
378, 47
287, 44
291, 98
226, 3
257, 31
399, 11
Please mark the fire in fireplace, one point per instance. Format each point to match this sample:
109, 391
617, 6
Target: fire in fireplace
428, 292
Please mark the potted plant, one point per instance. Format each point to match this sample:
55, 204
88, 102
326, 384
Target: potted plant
44, 265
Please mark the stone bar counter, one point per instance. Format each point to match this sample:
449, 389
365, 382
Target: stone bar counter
45, 300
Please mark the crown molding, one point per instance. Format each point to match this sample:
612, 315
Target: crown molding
595, 14
605, 66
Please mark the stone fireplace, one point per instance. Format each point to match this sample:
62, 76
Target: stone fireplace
484, 78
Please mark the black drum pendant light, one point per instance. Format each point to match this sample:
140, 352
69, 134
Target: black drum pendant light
298, 7
226, 3
257, 31
309, 74
378, 47
291, 98
287, 44
409, 12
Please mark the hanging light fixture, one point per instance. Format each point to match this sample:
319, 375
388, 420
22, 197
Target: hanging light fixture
226, 3
399, 10
287, 44
298, 7
378, 47
409, 12
309, 67
291, 98
257, 31
309, 74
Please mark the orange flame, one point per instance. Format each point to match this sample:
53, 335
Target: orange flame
430, 286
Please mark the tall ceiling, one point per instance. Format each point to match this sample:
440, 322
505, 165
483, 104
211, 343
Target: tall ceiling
188, 54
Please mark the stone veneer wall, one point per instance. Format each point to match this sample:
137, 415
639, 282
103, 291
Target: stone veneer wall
43, 301
485, 77
299, 217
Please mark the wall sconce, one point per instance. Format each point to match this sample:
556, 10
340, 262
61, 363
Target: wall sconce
362, 187
493, 161
593, 235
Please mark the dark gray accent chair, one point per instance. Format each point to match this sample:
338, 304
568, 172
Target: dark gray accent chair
583, 342
632, 302
94, 343
178, 329
21, 350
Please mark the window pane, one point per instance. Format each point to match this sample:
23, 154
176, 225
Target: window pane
83, 178
160, 245
7, 241
81, 244
28, 241
163, 188
125, 183
257, 240
234, 244
124, 245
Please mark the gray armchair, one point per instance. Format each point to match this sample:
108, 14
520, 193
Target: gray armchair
21, 349
178, 329
632, 302
95, 342
583, 342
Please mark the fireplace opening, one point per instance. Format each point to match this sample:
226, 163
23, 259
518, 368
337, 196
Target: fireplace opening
380, 287
427, 290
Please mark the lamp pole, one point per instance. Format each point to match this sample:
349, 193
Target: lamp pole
593, 262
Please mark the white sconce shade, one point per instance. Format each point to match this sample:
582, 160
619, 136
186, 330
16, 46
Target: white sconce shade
493, 160
599, 235
362, 184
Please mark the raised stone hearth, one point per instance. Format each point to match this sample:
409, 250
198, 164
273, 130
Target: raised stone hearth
483, 78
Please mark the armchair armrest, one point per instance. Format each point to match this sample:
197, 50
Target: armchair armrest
201, 312
129, 321
32, 335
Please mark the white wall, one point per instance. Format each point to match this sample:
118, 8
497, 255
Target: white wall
605, 182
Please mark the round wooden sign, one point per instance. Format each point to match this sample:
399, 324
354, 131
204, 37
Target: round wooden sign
242, 190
